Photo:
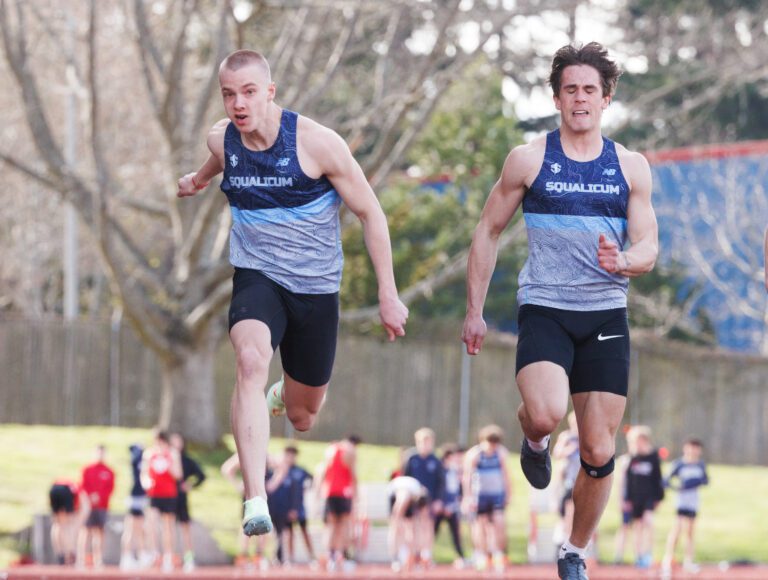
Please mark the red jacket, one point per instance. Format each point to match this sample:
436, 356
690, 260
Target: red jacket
98, 483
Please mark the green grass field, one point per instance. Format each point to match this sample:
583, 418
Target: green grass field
733, 525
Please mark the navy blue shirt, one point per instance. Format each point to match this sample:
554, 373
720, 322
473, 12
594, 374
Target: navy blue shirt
300, 479
137, 490
280, 501
643, 480
190, 469
429, 472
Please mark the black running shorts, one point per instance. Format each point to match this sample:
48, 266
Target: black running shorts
304, 326
338, 506
592, 346
165, 505
488, 504
182, 508
686, 513
62, 499
642, 505
96, 519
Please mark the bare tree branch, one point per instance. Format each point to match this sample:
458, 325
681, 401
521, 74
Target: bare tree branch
149, 55
104, 178
210, 306
48, 182
381, 60
147, 39
449, 272
33, 106
204, 100
171, 111
189, 252
411, 96
149, 208
332, 64
284, 52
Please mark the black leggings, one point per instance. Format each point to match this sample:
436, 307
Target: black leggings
453, 525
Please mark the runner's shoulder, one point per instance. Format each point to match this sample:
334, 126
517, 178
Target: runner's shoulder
634, 165
216, 134
524, 161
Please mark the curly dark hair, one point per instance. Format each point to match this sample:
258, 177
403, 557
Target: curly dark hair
592, 54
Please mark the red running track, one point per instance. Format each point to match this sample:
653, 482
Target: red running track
514, 572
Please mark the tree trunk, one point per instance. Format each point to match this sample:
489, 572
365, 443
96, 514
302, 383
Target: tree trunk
188, 401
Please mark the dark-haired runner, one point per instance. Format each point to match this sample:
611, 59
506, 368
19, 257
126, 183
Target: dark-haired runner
585, 199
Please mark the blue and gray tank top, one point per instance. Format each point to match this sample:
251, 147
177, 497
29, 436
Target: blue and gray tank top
567, 207
284, 223
488, 479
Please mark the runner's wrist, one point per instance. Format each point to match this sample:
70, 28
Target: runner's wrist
198, 186
388, 295
623, 263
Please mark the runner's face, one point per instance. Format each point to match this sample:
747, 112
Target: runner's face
580, 101
425, 445
691, 452
247, 94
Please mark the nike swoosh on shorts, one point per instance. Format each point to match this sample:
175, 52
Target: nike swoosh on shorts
600, 336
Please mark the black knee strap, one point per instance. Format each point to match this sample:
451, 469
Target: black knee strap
599, 472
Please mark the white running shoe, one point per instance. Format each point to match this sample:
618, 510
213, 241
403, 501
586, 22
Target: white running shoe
691, 568
189, 562
128, 562
275, 402
256, 520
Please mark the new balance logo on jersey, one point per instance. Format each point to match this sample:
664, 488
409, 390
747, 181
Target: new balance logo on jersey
233, 160
555, 167
609, 172
566, 187
283, 162
256, 181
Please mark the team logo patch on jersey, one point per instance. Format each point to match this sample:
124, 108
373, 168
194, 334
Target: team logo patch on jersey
283, 162
555, 167
233, 160
609, 172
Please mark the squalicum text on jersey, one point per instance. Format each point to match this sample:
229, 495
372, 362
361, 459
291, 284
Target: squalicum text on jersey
257, 181
566, 187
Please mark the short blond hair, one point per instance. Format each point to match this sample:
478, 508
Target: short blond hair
491, 433
638, 432
242, 58
424, 433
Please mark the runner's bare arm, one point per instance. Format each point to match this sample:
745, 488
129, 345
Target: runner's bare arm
503, 201
641, 225
337, 163
191, 183
468, 499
